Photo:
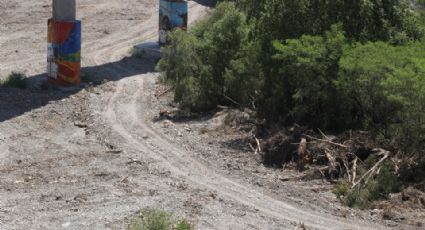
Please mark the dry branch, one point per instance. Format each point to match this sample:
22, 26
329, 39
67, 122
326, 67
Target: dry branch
354, 170
165, 92
258, 149
371, 171
346, 169
326, 141
331, 159
252, 148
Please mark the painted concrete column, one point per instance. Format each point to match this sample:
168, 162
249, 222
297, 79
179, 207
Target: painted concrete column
172, 15
64, 44
64, 10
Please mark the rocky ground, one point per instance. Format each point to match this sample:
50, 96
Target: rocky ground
91, 157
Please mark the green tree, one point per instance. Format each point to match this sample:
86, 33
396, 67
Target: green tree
307, 69
387, 88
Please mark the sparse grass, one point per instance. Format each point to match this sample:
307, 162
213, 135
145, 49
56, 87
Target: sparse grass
15, 80
183, 225
341, 189
157, 219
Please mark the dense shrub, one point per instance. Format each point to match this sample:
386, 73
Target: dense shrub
380, 187
304, 81
208, 65
386, 86
327, 64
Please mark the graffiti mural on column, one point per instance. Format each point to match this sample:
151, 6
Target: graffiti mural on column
64, 52
172, 14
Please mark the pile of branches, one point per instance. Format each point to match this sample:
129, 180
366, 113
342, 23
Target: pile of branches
331, 157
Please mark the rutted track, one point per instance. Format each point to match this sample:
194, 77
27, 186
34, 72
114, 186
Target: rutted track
125, 114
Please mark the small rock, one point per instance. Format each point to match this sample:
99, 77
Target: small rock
167, 123
80, 124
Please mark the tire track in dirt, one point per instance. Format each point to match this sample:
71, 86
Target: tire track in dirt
125, 119
173, 158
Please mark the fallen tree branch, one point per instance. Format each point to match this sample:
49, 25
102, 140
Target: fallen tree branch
331, 159
165, 92
354, 170
326, 141
346, 169
369, 173
252, 148
231, 100
258, 145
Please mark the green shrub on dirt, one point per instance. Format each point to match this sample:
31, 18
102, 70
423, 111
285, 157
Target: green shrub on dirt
157, 219
379, 187
183, 225
198, 64
341, 189
15, 80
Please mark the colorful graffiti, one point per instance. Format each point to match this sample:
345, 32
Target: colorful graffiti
172, 14
64, 52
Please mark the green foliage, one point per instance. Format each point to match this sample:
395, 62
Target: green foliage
183, 69
387, 89
304, 81
381, 186
341, 189
152, 219
327, 64
369, 20
183, 225
156, 219
205, 65
15, 80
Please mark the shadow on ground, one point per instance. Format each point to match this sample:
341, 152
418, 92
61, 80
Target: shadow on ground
16, 102
209, 3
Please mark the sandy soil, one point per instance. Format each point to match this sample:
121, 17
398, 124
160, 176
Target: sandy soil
90, 158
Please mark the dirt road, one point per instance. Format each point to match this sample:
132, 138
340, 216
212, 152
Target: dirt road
91, 158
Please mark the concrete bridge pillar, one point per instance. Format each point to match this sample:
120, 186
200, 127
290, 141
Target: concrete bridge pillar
64, 10
64, 44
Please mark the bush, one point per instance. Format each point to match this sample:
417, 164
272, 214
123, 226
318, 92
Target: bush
156, 219
380, 187
183, 225
15, 80
342, 189
304, 80
204, 66
182, 69
387, 89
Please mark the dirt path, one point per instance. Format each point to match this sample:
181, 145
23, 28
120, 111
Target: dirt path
90, 159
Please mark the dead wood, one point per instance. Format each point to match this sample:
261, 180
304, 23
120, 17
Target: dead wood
372, 170
347, 169
302, 154
326, 141
354, 170
164, 92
